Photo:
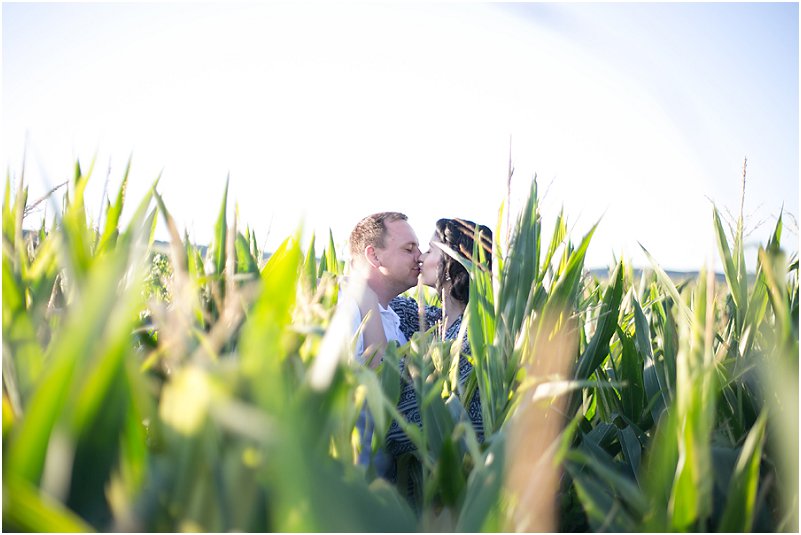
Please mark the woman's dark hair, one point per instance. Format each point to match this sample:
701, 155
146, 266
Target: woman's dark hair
458, 234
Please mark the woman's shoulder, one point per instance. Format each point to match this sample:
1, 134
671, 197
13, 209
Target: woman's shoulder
408, 311
453, 334
404, 307
402, 302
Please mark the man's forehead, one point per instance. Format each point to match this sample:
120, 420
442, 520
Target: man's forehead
400, 231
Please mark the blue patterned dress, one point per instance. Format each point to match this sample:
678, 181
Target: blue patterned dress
406, 309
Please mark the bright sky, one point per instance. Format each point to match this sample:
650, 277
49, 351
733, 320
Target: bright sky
634, 114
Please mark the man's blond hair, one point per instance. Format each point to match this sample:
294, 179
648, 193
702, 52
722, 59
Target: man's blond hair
371, 231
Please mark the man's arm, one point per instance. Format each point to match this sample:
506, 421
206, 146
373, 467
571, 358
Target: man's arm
373, 340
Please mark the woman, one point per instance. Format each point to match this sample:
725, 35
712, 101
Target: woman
452, 281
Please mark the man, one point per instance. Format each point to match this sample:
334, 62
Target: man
385, 262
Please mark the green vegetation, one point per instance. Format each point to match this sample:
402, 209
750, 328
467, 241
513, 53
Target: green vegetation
212, 392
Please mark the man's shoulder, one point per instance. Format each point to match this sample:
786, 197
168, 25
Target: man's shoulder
347, 305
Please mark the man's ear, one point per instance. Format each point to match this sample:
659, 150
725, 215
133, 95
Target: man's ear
371, 256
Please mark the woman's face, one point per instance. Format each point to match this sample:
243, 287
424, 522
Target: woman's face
430, 260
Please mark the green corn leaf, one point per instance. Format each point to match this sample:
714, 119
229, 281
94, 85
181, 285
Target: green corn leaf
448, 474
670, 344
310, 266
483, 488
24, 362
520, 270
757, 304
9, 214
598, 347
559, 235
177, 251
322, 267
21, 242
657, 388
194, 261
686, 498
102, 372
563, 298
102, 422
481, 329
134, 455
603, 509
772, 265
631, 447
774, 242
254, 246
733, 267
331, 262
437, 421
667, 284
113, 212
738, 515
601, 464
499, 241
44, 267
375, 399
142, 225
25, 508
691, 498
220, 234
315, 497
76, 233
632, 396
245, 262
85, 325
390, 375
659, 469
481, 310
599, 439
263, 343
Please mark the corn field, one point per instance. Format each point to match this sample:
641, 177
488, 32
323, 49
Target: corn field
169, 390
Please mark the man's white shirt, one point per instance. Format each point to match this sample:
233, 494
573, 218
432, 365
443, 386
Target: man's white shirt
389, 320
